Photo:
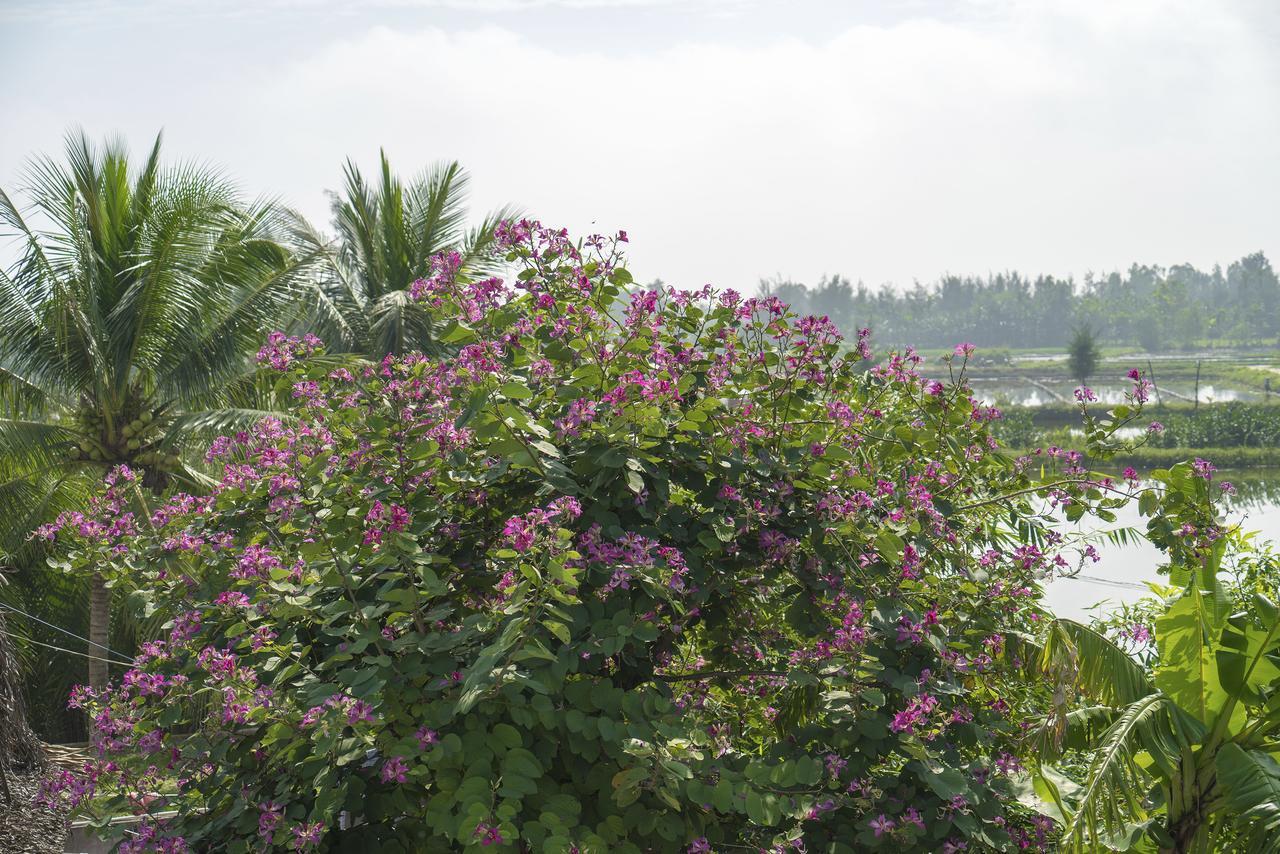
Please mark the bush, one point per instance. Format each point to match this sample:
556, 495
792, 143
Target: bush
677, 575
1225, 425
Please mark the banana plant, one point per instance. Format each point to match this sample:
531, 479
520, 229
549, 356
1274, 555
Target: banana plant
1181, 757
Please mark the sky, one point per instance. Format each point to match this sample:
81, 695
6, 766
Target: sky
890, 142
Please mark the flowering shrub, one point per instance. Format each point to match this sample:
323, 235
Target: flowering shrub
630, 571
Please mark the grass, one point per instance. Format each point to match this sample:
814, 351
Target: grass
1240, 371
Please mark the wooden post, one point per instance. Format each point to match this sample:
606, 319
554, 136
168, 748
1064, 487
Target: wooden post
1152, 373
1197, 403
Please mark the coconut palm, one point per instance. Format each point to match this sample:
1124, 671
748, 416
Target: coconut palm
126, 323
387, 232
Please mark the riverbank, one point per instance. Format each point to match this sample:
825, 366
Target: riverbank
1148, 457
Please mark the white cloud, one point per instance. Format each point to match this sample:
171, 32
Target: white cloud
1050, 136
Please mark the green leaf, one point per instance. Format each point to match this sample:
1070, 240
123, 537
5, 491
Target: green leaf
560, 630
1188, 669
515, 391
1114, 782
1102, 670
1250, 783
890, 546
507, 735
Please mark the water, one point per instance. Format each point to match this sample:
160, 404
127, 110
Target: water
1121, 574
1014, 392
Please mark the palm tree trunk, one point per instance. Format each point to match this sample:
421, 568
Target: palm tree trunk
20, 750
99, 624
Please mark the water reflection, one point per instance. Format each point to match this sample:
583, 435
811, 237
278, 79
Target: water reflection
1014, 392
1120, 574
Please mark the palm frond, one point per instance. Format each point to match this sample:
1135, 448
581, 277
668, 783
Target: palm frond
1078, 729
332, 307
1112, 796
387, 233
1101, 670
34, 445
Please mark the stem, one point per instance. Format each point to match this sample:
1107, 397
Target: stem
714, 674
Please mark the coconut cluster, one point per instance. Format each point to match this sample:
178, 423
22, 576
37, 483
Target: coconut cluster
139, 440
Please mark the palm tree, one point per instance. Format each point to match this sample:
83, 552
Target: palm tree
126, 322
387, 232
1184, 753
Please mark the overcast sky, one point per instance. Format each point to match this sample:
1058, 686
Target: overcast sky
733, 139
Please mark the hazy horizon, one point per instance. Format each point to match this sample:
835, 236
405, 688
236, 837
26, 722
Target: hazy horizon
733, 140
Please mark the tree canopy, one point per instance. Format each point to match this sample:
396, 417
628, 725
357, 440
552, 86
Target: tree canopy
1155, 308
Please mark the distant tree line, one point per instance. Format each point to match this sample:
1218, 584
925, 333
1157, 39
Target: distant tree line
1155, 308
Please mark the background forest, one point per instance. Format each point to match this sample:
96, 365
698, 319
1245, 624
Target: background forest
1151, 307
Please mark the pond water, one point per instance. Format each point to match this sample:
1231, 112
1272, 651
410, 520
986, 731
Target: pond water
1120, 575
1016, 392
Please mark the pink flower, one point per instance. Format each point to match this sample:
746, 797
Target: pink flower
394, 769
269, 817
307, 835
882, 824
519, 533
488, 833
232, 599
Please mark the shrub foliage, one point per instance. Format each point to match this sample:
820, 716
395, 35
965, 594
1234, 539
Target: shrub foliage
629, 570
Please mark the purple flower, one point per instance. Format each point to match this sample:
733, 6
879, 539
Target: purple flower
232, 599
307, 836
519, 533
699, 846
1204, 468
1007, 763
488, 834
256, 562
567, 508
269, 817
882, 824
395, 769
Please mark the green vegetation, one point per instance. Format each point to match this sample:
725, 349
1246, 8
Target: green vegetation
1082, 354
1153, 308
124, 326
547, 561
734, 595
388, 233
1233, 435
1177, 739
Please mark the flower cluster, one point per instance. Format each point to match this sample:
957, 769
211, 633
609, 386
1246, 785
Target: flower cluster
618, 551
